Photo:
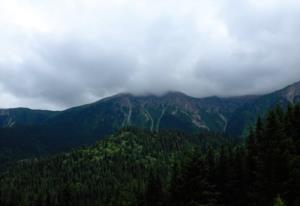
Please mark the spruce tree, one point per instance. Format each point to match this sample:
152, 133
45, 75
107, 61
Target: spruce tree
278, 201
259, 130
154, 194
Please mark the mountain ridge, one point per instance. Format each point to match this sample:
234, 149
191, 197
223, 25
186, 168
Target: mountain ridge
171, 100
295, 86
39, 132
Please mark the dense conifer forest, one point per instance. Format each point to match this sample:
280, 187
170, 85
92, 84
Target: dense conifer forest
149, 103
136, 167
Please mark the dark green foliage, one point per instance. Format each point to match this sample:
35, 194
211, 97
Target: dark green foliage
266, 168
192, 186
154, 194
131, 167
84, 125
24, 116
278, 202
141, 168
25, 133
271, 157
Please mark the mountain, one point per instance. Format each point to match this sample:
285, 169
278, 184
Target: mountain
140, 168
169, 111
173, 110
23, 116
41, 132
247, 114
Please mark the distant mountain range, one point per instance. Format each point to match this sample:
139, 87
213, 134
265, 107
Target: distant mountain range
50, 131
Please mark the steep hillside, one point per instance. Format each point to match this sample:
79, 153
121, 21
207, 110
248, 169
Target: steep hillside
172, 110
247, 114
42, 132
23, 116
139, 168
112, 172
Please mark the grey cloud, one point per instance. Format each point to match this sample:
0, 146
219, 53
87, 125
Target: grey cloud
69, 73
74, 54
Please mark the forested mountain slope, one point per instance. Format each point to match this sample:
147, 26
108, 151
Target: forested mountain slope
24, 116
31, 132
113, 172
135, 167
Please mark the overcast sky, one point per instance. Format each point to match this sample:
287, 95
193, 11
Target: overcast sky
60, 53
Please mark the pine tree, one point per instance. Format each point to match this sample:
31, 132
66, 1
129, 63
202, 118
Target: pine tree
193, 185
211, 163
251, 143
278, 201
240, 181
154, 194
222, 172
259, 130
288, 122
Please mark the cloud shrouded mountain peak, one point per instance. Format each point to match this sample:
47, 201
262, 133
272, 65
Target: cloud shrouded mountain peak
58, 54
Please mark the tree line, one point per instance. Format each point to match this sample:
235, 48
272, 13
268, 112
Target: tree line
263, 171
135, 167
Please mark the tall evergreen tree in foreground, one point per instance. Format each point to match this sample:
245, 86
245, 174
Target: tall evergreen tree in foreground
266, 168
154, 194
278, 202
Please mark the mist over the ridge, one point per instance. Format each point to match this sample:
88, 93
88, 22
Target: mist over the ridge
56, 54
